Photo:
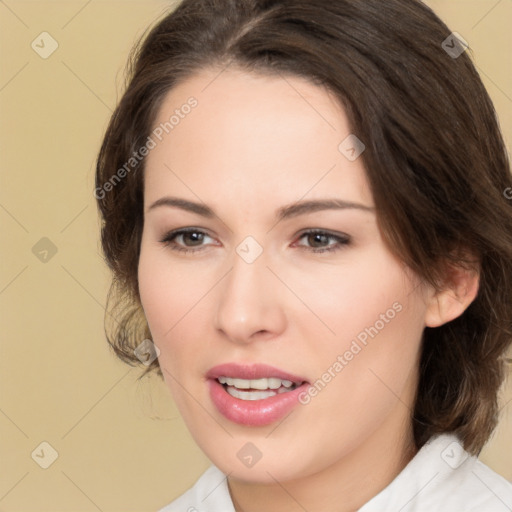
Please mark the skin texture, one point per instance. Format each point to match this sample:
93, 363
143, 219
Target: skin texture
252, 145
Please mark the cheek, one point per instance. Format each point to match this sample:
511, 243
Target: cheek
159, 284
377, 317
165, 288
173, 298
352, 295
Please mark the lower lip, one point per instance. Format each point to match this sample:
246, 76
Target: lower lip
254, 412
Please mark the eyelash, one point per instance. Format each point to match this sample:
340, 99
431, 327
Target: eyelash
342, 240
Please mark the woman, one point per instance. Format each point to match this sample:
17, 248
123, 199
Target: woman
304, 208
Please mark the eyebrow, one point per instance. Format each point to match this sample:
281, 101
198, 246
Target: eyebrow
285, 212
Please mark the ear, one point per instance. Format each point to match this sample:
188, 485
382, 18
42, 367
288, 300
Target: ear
460, 287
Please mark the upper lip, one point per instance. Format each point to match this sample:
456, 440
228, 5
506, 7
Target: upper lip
251, 372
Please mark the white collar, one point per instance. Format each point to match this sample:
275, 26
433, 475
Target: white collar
441, 477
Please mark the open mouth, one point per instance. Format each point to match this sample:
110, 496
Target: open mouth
256, 389
254, 394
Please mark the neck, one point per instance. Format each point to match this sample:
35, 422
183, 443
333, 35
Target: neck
344, 486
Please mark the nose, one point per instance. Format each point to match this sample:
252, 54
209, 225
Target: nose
251, 303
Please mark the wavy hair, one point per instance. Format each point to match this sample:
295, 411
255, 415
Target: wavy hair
435, 160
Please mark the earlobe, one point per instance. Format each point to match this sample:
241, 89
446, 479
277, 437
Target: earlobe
459, 292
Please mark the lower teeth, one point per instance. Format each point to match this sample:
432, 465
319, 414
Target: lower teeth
255, 395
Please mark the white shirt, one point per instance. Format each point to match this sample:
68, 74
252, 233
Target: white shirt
442, 477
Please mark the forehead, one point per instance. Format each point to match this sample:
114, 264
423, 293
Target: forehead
250, 137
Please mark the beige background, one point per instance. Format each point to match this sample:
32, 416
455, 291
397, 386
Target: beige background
121, 443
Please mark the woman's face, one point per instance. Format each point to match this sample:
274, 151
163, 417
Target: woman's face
282, 275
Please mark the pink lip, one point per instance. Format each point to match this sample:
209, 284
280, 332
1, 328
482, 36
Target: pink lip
253, 412
253, 371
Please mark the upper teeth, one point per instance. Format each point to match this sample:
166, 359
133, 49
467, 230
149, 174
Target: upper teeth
271, 383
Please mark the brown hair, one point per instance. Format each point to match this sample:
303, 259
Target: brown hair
435, 161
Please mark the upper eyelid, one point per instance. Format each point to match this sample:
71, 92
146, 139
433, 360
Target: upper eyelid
183, 231
179, 231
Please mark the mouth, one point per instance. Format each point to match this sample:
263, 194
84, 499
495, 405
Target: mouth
256, 389
254, 395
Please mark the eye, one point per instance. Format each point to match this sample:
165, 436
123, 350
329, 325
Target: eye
191, 240
185, 240
319, 241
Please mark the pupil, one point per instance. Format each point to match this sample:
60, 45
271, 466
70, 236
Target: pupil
317, 237
194, 237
